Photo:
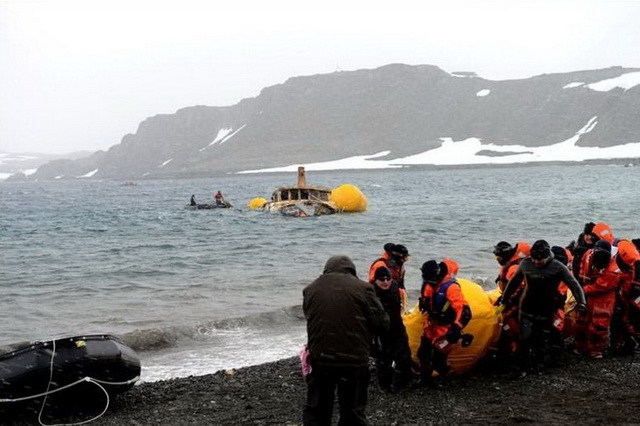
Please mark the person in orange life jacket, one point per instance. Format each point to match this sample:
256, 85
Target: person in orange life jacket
343, 315
394, 258
601, 279
447, 314
509, 258
393, 346
625, 326
542, 275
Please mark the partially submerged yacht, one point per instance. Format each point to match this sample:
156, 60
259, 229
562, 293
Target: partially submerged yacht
301, 200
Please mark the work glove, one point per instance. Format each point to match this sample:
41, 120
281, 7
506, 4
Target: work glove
467, 339
581, 308
454, 333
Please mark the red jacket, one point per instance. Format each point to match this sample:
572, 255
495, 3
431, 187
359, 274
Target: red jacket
599, 281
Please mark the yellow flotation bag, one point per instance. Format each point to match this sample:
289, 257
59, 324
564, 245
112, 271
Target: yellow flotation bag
349, 198
484, 326
257, 203
494, 294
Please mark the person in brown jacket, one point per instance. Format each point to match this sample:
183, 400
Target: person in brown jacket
343, 315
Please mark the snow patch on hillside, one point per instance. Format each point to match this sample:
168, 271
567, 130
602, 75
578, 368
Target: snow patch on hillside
475, 151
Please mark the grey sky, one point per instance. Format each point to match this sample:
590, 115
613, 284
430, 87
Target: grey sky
79, 75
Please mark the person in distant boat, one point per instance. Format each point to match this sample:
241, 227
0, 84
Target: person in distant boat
392, 354
394, 258
343, 315
542, 276
193, 200
219, 198
448, 313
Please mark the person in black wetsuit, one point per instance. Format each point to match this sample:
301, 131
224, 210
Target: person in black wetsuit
542, 275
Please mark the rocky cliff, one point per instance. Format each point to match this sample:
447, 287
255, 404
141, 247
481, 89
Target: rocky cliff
398, 108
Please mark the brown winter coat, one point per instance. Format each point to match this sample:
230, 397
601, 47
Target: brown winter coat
343, 313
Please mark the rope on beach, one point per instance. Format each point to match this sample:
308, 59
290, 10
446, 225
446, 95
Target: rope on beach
48, 392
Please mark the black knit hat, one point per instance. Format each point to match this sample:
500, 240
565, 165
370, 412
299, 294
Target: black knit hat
382, 272
541, 250
430, 271
400, 251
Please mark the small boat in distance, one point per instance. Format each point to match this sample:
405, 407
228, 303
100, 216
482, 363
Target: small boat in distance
208, 206
301, 200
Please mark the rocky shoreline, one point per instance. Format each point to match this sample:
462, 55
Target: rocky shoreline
585, 391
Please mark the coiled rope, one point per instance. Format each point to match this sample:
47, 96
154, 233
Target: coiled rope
48, 392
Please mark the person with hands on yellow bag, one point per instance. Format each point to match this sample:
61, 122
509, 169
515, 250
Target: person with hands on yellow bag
447, 313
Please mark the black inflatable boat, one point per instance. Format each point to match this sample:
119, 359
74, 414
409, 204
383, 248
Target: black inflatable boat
44, 368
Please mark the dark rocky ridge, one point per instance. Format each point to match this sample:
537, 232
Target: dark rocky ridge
400, 108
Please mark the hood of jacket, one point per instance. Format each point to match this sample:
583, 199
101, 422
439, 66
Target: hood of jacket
341, 264
452, 269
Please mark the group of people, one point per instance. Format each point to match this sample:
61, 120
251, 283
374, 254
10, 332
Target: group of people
350, 321
602, 274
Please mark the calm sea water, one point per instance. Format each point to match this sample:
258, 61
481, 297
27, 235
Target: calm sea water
198, 291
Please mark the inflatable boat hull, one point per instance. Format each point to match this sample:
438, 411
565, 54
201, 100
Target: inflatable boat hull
42, 367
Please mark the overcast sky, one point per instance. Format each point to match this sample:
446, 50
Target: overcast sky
79, 75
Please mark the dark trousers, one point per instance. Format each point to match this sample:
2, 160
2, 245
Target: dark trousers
431, 359
395, 349
351, 384
536, 334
